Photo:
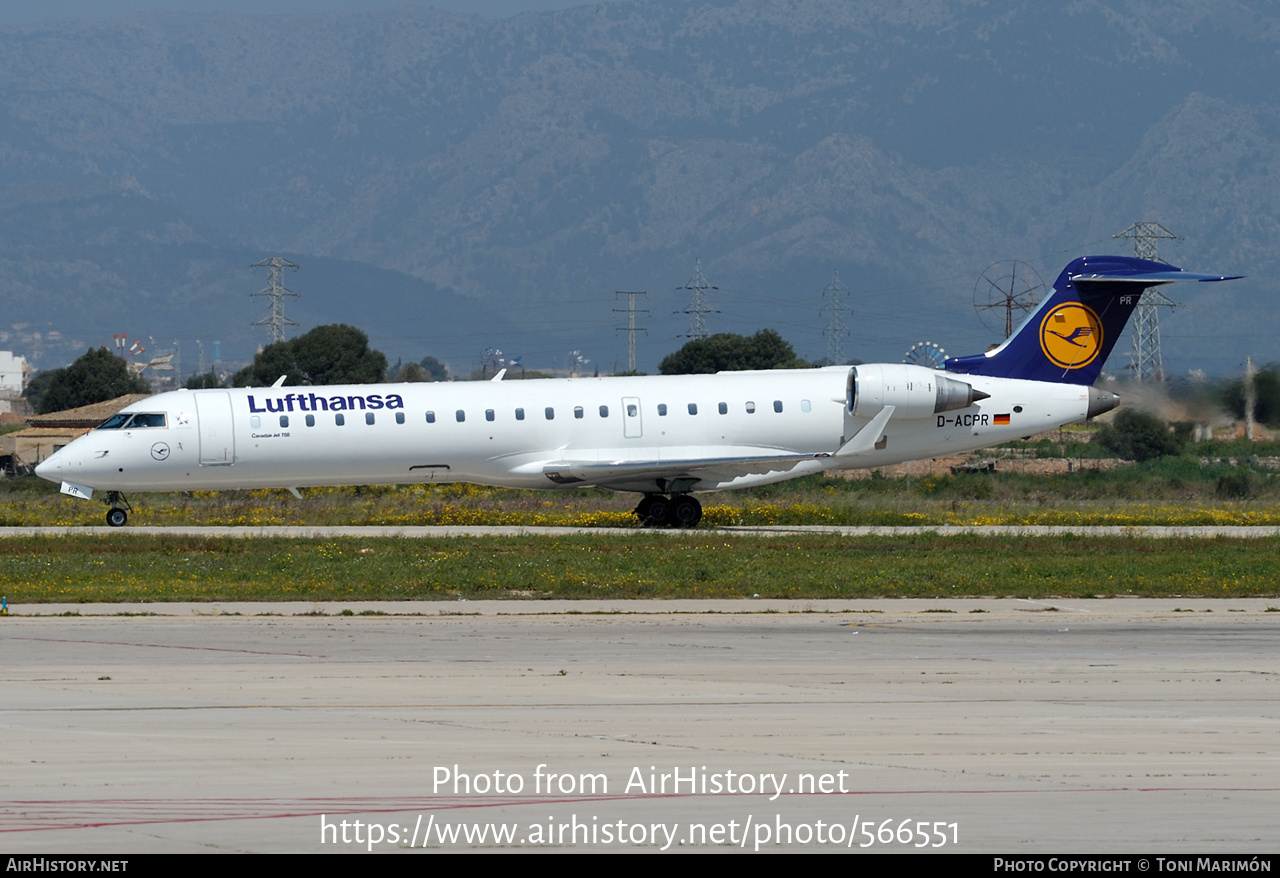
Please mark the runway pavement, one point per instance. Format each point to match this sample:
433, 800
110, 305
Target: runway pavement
974, 726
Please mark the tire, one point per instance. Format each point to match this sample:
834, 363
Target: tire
642, 509
117, 518
659, 513
686, 511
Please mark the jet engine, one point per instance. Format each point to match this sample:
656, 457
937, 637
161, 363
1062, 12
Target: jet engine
913, 391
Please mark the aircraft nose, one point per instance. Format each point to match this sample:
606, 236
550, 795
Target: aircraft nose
51, 467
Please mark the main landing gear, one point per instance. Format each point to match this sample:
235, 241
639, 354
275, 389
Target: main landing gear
116, 515
678, 510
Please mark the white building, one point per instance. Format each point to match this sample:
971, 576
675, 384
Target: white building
13, 374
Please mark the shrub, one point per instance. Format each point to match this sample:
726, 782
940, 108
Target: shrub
1139, 436
1237, 485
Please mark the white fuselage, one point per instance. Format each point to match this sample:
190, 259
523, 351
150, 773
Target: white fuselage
642, 434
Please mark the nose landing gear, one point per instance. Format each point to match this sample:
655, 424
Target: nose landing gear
117, 515
679, 510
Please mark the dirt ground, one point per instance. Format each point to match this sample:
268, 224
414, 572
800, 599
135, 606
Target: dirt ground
960, 463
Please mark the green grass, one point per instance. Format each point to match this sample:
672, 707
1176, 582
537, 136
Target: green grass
643, 565
1175, 491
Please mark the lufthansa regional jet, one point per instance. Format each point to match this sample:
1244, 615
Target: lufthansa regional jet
665, 437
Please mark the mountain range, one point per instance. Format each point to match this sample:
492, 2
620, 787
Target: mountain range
451, 183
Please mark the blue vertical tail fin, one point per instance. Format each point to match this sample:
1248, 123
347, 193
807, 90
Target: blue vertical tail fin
1068, 337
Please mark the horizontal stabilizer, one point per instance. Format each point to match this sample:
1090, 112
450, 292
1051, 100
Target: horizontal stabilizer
1151, 278
1069, 335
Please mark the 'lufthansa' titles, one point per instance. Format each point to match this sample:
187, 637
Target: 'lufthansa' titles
313, 402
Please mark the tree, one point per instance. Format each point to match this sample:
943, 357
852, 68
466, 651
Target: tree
97, 376
430, 369
207, 381
436, 370
728, 352
334, 354
407, 373
1266, 391
1139, 436
39, 383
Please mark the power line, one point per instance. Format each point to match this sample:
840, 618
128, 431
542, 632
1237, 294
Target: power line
1145, 356
836, 331
631, 324
275, 291
698, 308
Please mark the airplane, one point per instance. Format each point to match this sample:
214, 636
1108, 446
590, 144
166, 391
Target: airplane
663, 437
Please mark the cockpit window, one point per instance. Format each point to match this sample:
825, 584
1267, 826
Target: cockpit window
133, 421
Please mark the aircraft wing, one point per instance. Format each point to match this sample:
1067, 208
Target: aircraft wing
713, 469
694, 470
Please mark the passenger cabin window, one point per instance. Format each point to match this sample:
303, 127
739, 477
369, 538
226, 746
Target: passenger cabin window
724, 408
804, 405
551, 413
604, 411
431, 417
519, 414
311, 420
399, 418
751, 408
632, 410
255, 422
777, 406
368, 418
460, 415
662, 409
339, 419
693, 408
488, 414
577, 412
284, 420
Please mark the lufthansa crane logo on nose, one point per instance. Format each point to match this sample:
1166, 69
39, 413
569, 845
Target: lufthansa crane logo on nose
160, 451
1071, 335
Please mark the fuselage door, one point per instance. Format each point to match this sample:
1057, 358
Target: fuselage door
217, 438
631, 417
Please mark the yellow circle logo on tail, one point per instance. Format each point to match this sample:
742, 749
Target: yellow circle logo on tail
1071, 335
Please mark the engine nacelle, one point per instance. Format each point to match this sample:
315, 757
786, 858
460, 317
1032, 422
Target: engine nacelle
913, 391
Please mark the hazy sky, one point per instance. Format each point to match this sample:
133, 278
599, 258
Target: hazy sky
45, 10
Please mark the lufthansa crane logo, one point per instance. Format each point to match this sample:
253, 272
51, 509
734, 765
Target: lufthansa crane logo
160, 451
1071, 335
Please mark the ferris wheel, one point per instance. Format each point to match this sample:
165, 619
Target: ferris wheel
927, 354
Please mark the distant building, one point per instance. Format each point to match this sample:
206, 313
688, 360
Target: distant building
13, 374
13, 380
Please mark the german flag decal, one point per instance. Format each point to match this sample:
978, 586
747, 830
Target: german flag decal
1000, 419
